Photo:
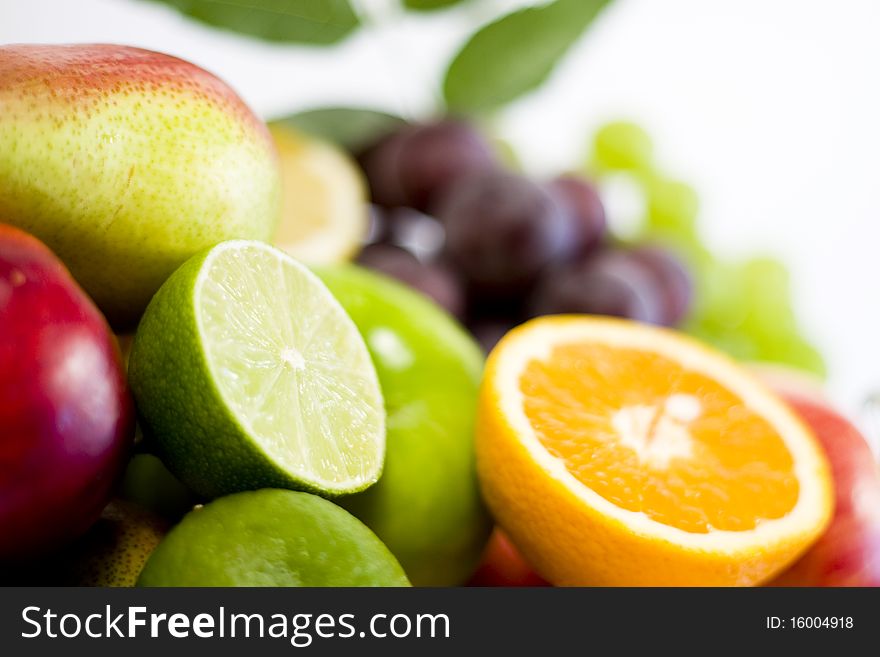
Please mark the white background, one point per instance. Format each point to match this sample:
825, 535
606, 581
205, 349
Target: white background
770, 107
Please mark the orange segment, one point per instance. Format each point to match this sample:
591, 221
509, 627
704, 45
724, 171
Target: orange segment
615, 453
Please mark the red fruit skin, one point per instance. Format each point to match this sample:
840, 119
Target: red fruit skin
81, 75
414, 166
848, 554
66, 417
503, 565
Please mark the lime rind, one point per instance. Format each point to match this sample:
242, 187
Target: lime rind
271, 538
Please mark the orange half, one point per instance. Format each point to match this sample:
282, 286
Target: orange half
619, 454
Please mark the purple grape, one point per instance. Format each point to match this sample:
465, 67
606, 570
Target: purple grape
674, 280
381, 165
415, 164
488, 332
402, 226
502, 230
378, 231
431, 279
387, 258
610, 283
488, 307
582, 200
417, 232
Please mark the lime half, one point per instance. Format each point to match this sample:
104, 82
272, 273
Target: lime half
249, 374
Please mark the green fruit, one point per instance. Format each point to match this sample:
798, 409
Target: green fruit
800, 353
248, 374
271, 538
506, 154
737, 344
766, 284
148, 483
622, 145
743, 309
115, 549
723, 303
126, 162
426, 507
672, 208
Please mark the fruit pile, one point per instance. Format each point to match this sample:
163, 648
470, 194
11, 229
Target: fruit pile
742, 307
184, 404
496, 248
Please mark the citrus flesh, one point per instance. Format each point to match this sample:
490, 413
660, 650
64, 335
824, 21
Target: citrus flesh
271, 537
619, 454
249, 374
324, 210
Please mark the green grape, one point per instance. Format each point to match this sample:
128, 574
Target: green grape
722, 302
794, 350
766, 279
743, 308
691, 251
735, 344
801, 353
621, 146
767, 287
506, 154
672, 208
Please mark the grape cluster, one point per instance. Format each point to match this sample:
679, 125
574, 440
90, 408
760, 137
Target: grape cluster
741, 307
494, 247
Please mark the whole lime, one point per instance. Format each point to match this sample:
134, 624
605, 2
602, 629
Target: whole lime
271, 537
427, 506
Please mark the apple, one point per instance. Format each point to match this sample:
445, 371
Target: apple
848, 554
426, 507
66, 417
126, 162
503, 565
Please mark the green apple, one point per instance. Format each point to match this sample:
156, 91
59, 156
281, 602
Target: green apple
426, 507
125, 162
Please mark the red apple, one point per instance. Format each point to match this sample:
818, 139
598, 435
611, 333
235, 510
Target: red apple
848, 554
503, 565
66, 417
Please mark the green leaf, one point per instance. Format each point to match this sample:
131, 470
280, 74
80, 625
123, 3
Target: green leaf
352, 128
515, 54
429, 5
319, 22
